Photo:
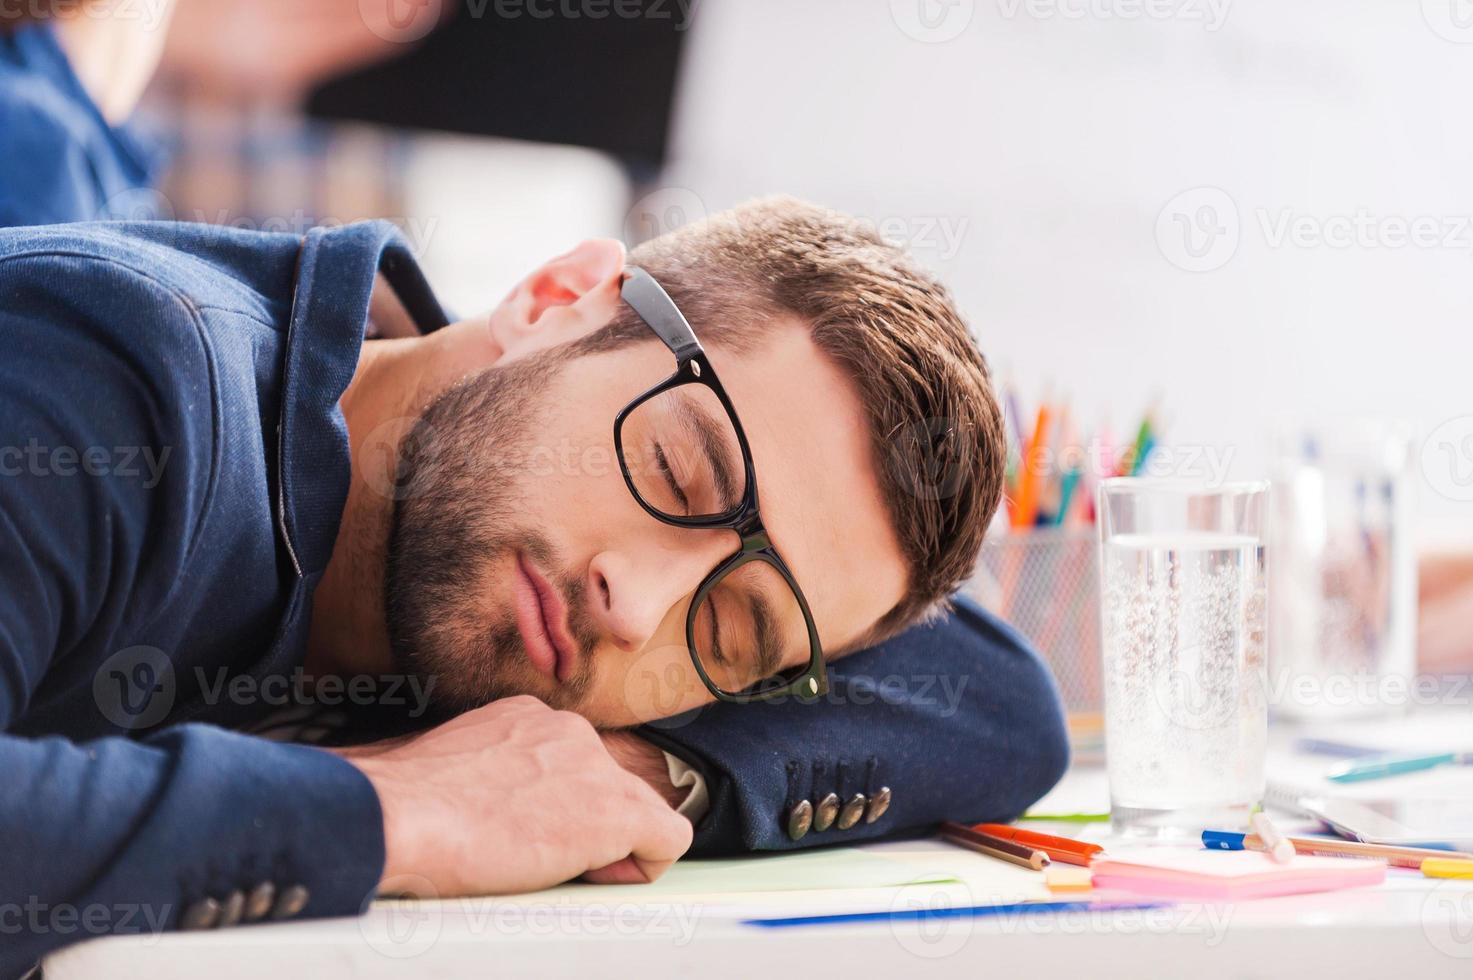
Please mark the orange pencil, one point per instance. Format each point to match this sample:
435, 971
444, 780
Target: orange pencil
1027, 510
1062, 849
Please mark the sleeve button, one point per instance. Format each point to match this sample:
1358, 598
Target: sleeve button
231, 910
853, 810
290, 902
800, 818
826, 812
878, 804
258, 903
201, 915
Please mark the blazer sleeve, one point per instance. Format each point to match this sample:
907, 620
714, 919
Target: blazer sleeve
957, 719
115, 836
120, 835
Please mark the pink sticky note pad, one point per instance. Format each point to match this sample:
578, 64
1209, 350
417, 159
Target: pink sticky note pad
1228, 875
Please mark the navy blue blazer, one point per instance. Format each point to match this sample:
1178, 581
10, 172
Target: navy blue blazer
60, 159
173, 467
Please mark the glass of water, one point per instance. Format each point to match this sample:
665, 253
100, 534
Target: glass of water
1343, 606
1182, 627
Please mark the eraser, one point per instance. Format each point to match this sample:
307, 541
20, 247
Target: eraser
1067, 878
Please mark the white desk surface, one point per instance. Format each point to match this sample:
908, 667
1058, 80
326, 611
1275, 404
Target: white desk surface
1409, 927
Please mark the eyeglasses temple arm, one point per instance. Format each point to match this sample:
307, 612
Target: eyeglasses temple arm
656, 308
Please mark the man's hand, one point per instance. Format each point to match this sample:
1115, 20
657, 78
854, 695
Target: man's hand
515, 797
648, 763
1444, 609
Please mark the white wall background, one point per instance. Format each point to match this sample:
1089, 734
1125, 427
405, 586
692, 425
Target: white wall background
1047, 136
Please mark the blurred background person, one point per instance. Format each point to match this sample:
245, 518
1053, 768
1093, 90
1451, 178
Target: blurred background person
489, 131
71, 74
1445, 611
221, 45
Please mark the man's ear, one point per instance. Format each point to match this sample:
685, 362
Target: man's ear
566, 298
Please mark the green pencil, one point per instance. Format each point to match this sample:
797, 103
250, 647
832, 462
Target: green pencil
1141, 435
1068, 817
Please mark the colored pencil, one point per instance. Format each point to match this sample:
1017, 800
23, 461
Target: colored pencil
1128, 459
1064, 849
1066, 495
1447, 868
1015, 419
1004, 850
1068, 817
1396, 856
963, 912
1144, 456
1028, 477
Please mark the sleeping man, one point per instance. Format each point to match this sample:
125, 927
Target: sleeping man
654, 557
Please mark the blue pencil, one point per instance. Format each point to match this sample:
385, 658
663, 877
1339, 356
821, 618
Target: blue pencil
962, 912
1143, 455
1014, 419
1066, 496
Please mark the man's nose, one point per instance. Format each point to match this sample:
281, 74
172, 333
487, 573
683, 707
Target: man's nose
633, 589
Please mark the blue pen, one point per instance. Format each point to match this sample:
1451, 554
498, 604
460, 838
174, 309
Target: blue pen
1396, 855
1345, 750
962, 912
1223, 840
1390, 764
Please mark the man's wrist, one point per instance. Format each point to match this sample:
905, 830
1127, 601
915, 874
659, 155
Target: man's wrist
645, 760
397, 862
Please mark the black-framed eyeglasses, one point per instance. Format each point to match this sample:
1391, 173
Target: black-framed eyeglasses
685, 458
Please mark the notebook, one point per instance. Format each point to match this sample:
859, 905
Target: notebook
883, 875
1198, 873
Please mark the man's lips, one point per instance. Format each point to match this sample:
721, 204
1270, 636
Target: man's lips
542, 620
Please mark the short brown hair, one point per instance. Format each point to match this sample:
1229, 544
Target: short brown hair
935, 423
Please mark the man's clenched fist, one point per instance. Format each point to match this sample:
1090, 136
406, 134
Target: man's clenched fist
512, 797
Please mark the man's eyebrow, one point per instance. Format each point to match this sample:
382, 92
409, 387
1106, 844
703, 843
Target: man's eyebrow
768, 655
709, 431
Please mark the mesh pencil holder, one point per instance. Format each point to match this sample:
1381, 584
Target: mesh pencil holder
1045, 583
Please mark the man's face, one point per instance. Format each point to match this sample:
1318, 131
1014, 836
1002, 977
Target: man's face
519, 562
